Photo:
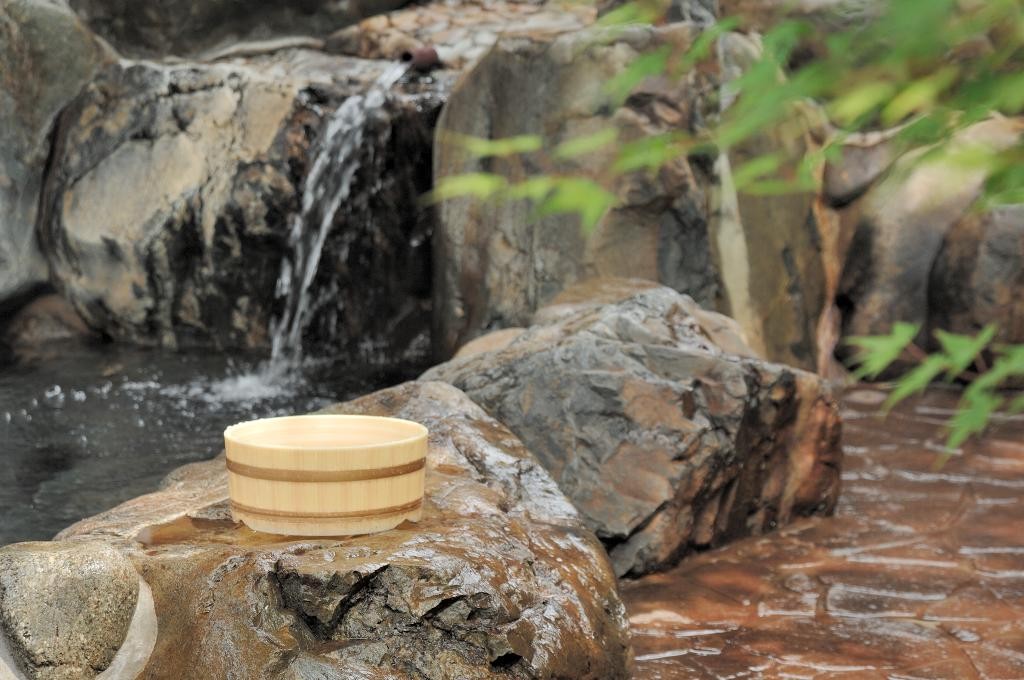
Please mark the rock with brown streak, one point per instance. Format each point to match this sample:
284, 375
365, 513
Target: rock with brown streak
664, 442
499, 580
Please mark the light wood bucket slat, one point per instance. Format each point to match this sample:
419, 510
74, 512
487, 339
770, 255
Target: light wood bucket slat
326, 475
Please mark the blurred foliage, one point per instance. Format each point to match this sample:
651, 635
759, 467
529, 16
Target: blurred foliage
960, 357
926, 68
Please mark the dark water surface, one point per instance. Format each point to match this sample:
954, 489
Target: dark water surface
83, 428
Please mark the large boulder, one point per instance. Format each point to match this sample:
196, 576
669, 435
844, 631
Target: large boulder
499, 579
664, 442
191, 27
919, 252
46, 57
174, 189
757, 258
65, 608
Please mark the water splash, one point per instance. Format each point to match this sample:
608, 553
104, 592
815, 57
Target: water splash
327, 187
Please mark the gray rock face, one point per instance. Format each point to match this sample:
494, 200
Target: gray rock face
47, 56
189, 28
663, 442
65, 607
499, 580
173, 189
496, 264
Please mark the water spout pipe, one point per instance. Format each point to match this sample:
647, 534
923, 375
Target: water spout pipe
422, 59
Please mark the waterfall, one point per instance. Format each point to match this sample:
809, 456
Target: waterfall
327, 187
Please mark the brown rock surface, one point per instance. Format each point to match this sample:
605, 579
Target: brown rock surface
919, 574
863, 158
823, 16
663, 441
499, 579
770, 248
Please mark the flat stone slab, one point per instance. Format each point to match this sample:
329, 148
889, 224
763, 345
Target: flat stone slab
499, 579
919, 575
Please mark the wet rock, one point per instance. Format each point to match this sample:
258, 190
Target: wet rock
65, 607
186, 28
46, 57
664, 442
499, 579
915, 247
174, 189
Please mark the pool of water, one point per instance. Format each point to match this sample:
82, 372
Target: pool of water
85, 427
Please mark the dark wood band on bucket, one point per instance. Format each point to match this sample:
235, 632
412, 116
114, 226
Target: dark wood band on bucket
275, 475
311, 516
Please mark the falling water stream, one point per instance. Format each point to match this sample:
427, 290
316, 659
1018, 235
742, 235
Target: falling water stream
327, 187
84, 427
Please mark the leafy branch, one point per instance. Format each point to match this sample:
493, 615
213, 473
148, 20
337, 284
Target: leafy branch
960, 357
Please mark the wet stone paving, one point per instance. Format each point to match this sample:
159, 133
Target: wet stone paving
919, 575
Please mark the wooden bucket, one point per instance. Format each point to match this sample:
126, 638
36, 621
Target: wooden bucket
326, 475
